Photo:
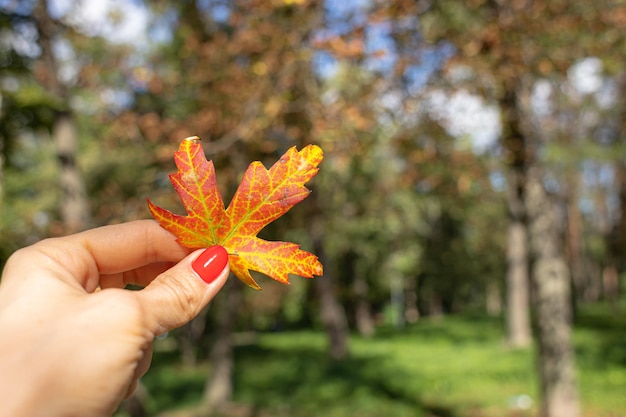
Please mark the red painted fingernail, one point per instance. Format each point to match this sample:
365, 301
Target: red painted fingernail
210, 263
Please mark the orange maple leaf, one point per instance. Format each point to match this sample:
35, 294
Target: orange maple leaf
262, 197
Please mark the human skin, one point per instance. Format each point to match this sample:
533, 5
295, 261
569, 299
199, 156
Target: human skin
73, 341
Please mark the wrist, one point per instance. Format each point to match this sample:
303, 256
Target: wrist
21, 388
27, 378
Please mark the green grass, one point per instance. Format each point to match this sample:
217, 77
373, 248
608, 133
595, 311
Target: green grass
456, 367
600, 340
450, 368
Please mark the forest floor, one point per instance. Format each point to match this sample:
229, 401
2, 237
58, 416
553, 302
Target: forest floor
457, 366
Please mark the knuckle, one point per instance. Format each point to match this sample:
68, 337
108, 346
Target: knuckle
184, 299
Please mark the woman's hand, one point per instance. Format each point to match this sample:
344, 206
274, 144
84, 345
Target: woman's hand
73, 342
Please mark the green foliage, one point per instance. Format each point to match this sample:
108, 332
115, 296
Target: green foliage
29, 194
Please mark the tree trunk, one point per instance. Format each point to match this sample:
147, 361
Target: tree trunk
552, 299
575, 255
363, 313
218, 390
333, 318
517, 281
73, 206
493, 299
189, 339
396, 298
518, 315
610, 286
537, 215
411, 309
607, 288
435, 305
360, 290
332, 313
619, 234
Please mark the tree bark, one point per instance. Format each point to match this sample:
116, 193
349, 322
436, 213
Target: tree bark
518, 315
531, 209
363, 313
360, 291
411, 309
493, 299
619, 239
189, 339
610, 286
333, 318
583, 289
73, 205
218, 390
332, 313
396, 298
552, 299
517, 281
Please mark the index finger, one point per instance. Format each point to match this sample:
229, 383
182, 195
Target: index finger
126, 246
83, 257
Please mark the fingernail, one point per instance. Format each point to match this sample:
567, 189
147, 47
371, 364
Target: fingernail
210, 263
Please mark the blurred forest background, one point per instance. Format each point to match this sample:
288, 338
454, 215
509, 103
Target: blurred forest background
470, 211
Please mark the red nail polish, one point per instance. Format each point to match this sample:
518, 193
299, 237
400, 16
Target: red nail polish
210, 263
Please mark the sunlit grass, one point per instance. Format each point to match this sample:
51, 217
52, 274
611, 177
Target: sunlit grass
442, 368
458, 366
601, 354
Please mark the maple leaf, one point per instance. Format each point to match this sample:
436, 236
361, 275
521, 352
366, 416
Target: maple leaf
262, 196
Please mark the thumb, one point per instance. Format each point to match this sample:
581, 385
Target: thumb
179, 294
